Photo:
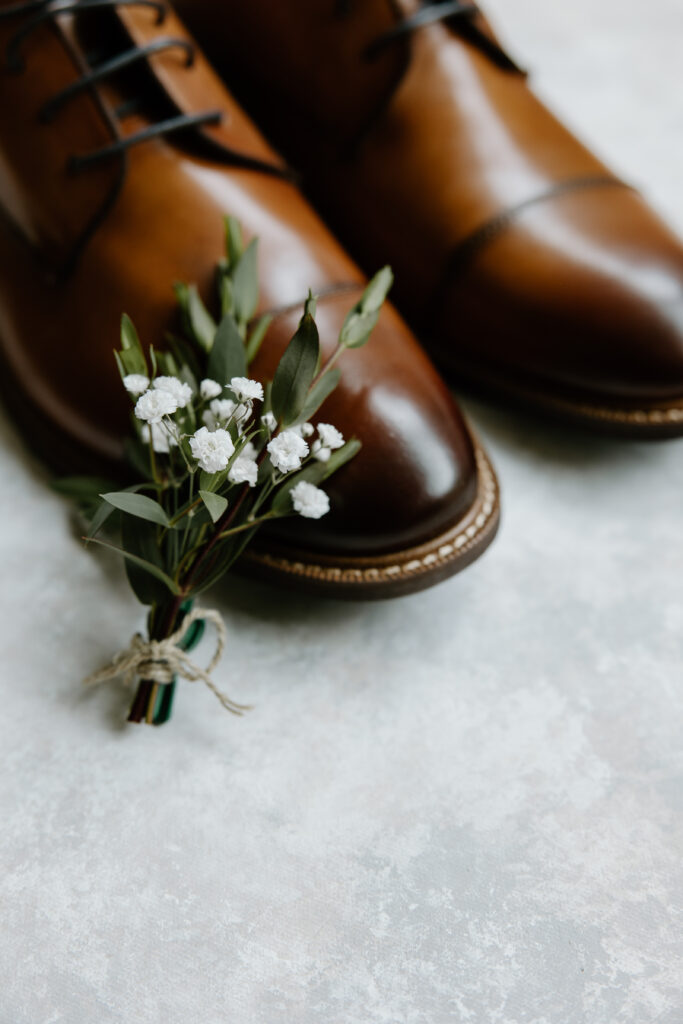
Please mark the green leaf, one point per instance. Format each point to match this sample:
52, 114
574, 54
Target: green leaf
211, 481
341, 457
215, 503
227, 358
103, 512
245, 283
357, 329
137, 505
81, 488
131, 357
319, 393
234, 245
377, 290
225, 295
185, 355
149, 567
295, 373
140, 538
256, 337
198, 321
361, 320
137, 456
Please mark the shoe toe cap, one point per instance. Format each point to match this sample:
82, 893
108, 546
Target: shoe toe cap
584, 293
415, 475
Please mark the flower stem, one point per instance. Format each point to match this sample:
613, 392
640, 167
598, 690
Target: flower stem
161, 623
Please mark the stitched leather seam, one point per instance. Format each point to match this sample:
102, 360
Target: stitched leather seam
672, 414
491, 229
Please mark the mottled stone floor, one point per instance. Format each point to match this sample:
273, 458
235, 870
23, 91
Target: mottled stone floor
460, 806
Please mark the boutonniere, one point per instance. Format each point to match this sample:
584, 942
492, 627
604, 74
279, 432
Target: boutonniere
214, 455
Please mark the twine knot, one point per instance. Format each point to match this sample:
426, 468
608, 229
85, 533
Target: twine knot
160, 661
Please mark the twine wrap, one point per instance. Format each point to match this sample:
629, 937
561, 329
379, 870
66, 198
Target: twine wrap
160, 661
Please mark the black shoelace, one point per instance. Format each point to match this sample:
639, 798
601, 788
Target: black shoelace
36, 13
458, 15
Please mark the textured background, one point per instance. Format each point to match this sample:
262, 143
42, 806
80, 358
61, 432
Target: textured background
460, 806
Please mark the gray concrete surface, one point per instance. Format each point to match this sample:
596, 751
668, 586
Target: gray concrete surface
461, 806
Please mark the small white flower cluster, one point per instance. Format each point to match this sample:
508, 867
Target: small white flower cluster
310, 501
166, 396
212, 445
212, 449
288, 450
328, 440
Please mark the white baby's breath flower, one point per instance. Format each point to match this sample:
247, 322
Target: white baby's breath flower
222, 408
173, 386
136, 383
329, 436
303, 429
249, 451
243, 471
287, 451
269, 422
310, 501
320, 453
212, 449
163, 437
246, 390
154, 405
210, 389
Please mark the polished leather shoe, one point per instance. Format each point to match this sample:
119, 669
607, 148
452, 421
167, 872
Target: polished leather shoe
120, 154
521, 261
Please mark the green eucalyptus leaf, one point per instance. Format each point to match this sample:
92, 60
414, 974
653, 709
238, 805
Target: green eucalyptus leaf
137, 456
198, 321
102, 513
295, 373
185, 356
341, 456
137, 505
245, 283
149, 567
377, 290
319, 393
131, 356
139, 539
361, 320
81, 488
226, 296
104, 510
357, 329
234, 246
215, 503
256, 337
227, 358
212, 481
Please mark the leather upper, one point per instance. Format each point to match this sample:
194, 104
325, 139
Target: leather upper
78, 249
517, 253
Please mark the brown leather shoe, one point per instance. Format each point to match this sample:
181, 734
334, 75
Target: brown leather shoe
521, 260
120, 154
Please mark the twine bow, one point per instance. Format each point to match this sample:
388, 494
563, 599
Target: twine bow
161, 661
